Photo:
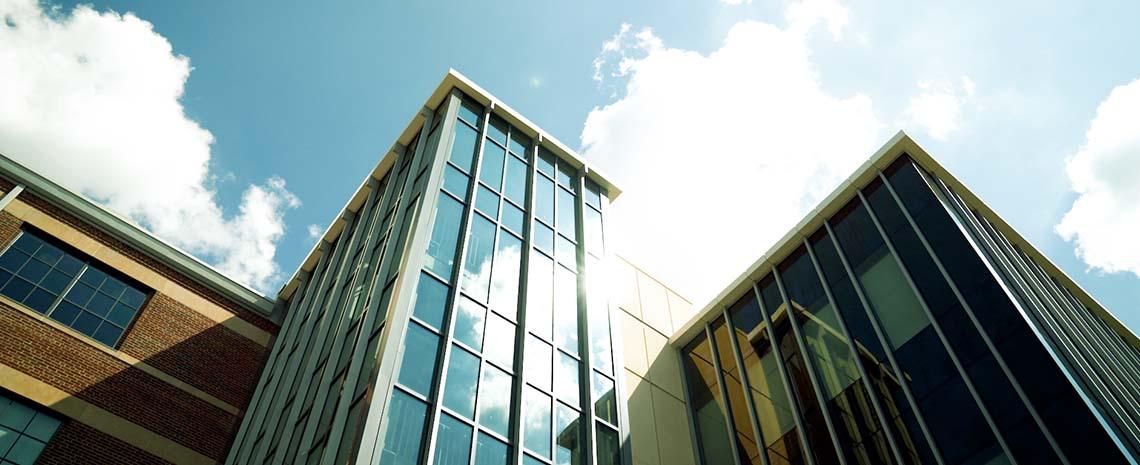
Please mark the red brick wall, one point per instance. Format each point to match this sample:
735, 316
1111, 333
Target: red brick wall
9, 228
43, 352
76, 443
186, 345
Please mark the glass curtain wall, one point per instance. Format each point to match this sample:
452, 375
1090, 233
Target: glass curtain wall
506, 358
886, 338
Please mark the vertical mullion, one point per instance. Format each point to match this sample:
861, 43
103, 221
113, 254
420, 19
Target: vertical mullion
248, 428
746, 385
404, 286
809, 366
938, 330
729, 421
805, 446
872, 393
70, 284
585, 373
974, 320
364, 333
456, 278
514, 431
617, 355
339, 315
887, 350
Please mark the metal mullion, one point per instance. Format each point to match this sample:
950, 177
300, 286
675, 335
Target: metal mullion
887, 349
797, 414
326, 308
687, 392
297, 357
729, 421
363, 227
370, 444
10, 196
872, 393
746, 385
455, 281
254, 408
810, 366
370, 313
938, 330
586, 370
514, 429
1111, 337
617, 355
67, 289
978, 327
475, 415
1073, 366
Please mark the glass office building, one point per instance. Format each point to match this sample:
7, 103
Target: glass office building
458, 311
450, 315
905, 323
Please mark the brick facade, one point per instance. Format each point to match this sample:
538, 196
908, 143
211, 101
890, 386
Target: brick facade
76, 443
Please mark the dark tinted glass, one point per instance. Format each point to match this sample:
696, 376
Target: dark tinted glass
609, 449
491, 451
567, 437
741, 419
707, 403
418, 366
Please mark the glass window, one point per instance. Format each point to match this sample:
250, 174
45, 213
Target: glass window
491, 166
540, 295
455, 182
487, 202
519, 143
35, 272
566, 223
544, 199
566, 310
543, 238
605, 402
593, 231
545, 162
500, 346
601, 352
513, 218
593, 195
707, 404
403, 439
470, 112
24, 431
462, 377
566, 379
453, 445
463, 147
477, 266
567, 252
491, 451
538, 359
505, 280
444, 237
609, 449
497, 130
567, 437
431, 300
566, 176
495, 400
418, 366
536, 422
515, 187
469, 321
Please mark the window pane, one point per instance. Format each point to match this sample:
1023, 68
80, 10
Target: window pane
491, 451
470, 112
480, 249
566, 377
25, 451
491, 167
519, 143
495, 400
593, 230
538, 359
42, 427
455, 182
544, 199
431, 300
80, 293
505, 280
566, 310
601, 352
566, 223
536, 422
462, 376
444, 236
500, 345
566, 252
513, 218
567, 175
593, 195
605, 402
469, 323
453, 446
545, 162
567, 437
515, 187
706, 403
487, 202
609, 450
543, 238
14, 258
497, 130
108, 333
405, 432
463, 147
540, 294
418, 366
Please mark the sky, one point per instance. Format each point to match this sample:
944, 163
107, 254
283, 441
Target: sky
237, 130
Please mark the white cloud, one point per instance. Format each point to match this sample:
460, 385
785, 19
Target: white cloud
804, 14
938, 107
1104, 221
719, 155
92, 100
314, 231
736, 2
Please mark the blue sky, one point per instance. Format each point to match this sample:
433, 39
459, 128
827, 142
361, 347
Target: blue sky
300, 98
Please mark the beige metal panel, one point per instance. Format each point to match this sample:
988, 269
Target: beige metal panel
642, 421
674, 440
664, 363
633, 344
654, 304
